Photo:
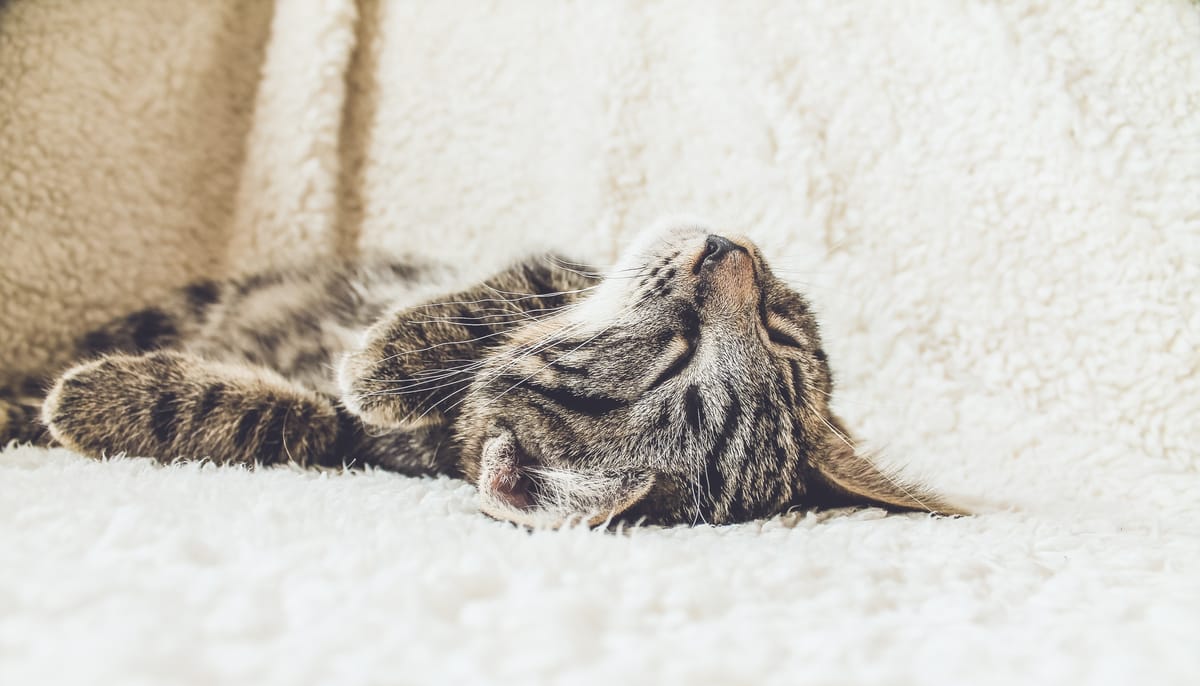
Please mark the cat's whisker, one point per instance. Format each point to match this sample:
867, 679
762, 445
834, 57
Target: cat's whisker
548, 364
509, 311
427, 374
495, 319
443, 344
283, 435
562, 335
525, 296
423, 379
694, 486
515, 358
588, 273
435, 346
422, 385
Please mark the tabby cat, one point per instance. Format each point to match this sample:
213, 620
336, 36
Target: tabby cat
687, 384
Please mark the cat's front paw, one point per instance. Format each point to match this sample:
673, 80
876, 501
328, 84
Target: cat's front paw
171, 405
70, 406
383, 394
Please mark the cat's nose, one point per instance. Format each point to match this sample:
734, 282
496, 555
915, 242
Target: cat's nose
716, 247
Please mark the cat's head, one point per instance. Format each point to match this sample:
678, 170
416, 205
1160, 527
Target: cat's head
685, 385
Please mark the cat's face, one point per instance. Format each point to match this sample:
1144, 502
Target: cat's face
688, 386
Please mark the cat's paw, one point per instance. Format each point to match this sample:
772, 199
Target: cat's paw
112, 404
378, 388
171, 405
71, 405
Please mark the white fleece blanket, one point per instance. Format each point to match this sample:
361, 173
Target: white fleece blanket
995, 206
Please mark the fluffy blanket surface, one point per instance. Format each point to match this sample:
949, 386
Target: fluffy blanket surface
995, 207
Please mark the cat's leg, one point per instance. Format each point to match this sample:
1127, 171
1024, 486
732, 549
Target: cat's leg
415, 363
143, 331
172, 405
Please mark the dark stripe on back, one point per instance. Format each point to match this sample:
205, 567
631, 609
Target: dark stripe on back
150, 328
254, 282
269, 340
309, 359
15, 418
34, 386
163, 417
95, 342
201, 294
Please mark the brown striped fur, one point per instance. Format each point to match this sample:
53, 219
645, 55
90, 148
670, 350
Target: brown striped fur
685, 384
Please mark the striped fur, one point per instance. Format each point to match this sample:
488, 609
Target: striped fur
686, 384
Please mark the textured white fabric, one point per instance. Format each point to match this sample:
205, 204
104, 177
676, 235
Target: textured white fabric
995, 207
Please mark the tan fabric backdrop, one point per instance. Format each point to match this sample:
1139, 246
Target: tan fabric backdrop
122, 134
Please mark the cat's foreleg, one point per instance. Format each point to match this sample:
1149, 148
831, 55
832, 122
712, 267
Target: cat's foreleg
171, 405
416, 363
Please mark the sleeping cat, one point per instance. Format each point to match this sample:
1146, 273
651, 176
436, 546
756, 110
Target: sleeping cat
686, 384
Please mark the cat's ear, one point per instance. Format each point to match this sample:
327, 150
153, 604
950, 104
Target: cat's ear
847, 477
515, 488
415, 363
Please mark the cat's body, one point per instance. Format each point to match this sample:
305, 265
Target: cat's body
288, 326
555, 390
280, 335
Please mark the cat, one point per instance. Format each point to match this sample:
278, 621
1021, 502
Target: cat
686, 384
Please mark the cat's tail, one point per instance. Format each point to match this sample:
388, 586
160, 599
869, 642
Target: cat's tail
20, 414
